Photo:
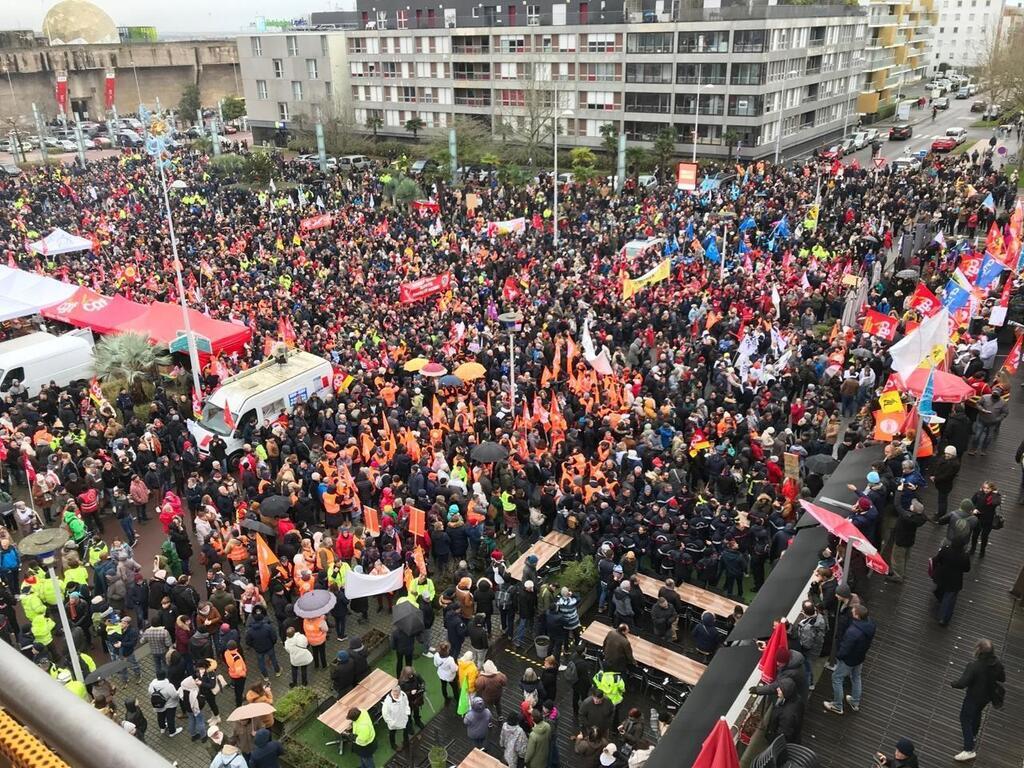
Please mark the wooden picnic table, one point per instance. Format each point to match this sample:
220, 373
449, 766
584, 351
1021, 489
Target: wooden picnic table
545, 549
480, 759
370, 690
691, 595
650, 655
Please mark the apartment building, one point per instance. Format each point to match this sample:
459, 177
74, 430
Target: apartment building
726, 75
966, 30
900, 36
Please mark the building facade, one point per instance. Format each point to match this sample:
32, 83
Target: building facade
967, 29
727, 77
900, 35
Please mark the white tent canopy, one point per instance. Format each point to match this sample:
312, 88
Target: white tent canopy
60, 241
25, 293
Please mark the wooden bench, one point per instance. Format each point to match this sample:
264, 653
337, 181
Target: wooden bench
650, 655
691, 595
368, 692
480, 759
545, 549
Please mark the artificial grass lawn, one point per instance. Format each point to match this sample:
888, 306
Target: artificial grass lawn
315, 734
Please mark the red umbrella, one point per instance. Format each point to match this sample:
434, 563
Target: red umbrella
842, 528
777, 642
719, 749
948, 387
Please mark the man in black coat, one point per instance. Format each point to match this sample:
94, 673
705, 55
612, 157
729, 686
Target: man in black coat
944, 472
596, 712
343, 673
957, 430
904, 536
981, 682
787, 718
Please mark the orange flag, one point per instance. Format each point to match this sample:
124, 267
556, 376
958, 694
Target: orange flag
371, 521
388, 444
556, 365
570, 354
417, 522
555, 414
436, 414
490, 409
265, 558
545, 377
417, 557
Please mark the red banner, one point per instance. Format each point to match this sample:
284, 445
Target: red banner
924, 301
109, 89
970, 265
686, 176
880, 325
424, 287
62, 93
426, 206
316, 222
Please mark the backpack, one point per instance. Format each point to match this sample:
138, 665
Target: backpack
158, 700
571, 674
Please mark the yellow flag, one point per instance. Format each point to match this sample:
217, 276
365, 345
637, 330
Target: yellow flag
890, 401
630, 287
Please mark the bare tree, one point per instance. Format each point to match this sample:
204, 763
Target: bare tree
1001, 69
531, 122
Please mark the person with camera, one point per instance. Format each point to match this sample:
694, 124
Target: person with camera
905, 756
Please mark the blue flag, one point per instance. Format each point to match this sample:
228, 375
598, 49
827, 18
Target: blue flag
989, 202
989, 271
747, 223
689, 231
925, 405
955, 296
711, 250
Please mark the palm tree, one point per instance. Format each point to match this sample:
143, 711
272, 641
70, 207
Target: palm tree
413, 126
374, 123
128, 357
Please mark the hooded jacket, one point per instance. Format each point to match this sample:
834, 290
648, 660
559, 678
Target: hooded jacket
477, 719
513, 744
538, 744
395, 711
978, 677
705, 634
266, 751
490, 685
261, 636
363, 731
853, 648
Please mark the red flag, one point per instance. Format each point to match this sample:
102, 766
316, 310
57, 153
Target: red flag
924, 301
1012, 361
718, 749
877, 324
511, 291
777, 642
109, 89
994, 243
30, 471
424, 288
229, 418
970, 263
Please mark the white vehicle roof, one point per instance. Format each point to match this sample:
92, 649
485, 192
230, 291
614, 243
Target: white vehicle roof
236, 389
41, 345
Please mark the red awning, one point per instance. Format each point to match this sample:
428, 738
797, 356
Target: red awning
162, 323
86, 308
948, 387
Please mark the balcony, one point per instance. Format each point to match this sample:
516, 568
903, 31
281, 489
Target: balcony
649, 79
742, 80
660, 109
816, 42
705, 80
473, 101
748, 48
472, 76
471, 50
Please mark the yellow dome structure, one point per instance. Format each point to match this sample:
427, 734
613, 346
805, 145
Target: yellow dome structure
73, 22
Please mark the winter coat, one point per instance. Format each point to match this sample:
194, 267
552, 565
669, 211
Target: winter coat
618, 653
513, 742
477, 719
297, 647
395, 711
662, 618
705, 634
810, 630
907, 523
538, 745
979, 677
468, 673
948, 568
945, 470
490, 687
261, 635
265, 751
853, 648
621, 603
189, 695
447, 668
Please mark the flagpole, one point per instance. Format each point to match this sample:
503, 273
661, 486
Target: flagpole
721, 256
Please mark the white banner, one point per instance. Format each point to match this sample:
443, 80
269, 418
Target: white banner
365, 585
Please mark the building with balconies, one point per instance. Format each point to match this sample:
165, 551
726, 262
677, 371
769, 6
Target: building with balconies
896, 53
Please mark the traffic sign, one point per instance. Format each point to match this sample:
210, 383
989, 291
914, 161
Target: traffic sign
180, 343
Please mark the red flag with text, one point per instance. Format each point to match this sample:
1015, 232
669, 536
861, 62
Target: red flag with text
877, 324
424, 288
316, 222
109, 90
924, 301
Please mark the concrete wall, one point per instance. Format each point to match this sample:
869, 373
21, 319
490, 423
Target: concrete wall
145, 72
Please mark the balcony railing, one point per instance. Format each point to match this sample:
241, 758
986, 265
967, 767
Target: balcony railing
747, 80
649, 79
472, 76
661, 109
473, 101
748, 47
471, 49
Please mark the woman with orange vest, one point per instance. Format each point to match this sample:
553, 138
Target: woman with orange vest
315, 631
237, 671
305, 582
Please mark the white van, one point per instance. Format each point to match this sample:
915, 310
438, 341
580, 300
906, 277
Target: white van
39, 358
281, 382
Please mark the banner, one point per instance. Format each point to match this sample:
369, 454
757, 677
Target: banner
316, 222
686, 176
878, 324
509, 227
366, 585
890, 401
62, 93
924, 301
109, 89
632, 286
424, 287
888, 425
426, 206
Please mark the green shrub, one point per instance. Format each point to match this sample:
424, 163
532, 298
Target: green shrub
390, 150
294, 703
228, 165
298, 755
580, 576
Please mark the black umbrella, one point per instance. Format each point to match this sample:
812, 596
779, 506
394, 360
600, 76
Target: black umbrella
820, 464
258, 527
314, 603
275, 506
408, 618
489, 452
862, 354
105, 671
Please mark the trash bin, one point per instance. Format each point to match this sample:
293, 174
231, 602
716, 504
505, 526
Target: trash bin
543, 644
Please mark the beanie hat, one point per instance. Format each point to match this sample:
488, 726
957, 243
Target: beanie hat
873, 477
966, 505
863, 503
497, 555
342, 656
906, 746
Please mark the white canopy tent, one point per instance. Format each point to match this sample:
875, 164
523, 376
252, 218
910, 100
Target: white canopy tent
25, 293
59, 241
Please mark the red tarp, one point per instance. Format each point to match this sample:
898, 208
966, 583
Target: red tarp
162, 323
87, 309
948, 387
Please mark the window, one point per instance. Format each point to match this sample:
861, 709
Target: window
407, 94
15, 373
261, 90
323, 45
278, 68
597, 72
597, 100
745, 106
296, 90
511, 98
660, 103
390, 69
328, 89
403, 19
705, 74
512, 44
311, 69
649, 42
282, 111
601, 43
566, 43
533, 15
293, 45
747, 74
257, 46
748, 41
648, 73
704, 42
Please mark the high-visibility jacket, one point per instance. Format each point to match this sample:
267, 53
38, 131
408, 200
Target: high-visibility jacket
304, 585
32, 605
332, 505
362, 729
426, 589
78, 689
77, 575
45, 589
235, 662
42, 629
611, 685
315, 630
96, 550
337, 573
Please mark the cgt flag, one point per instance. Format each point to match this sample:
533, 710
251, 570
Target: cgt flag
109, 89
417, 290
924, 301
877, 324
316, 222
632, 286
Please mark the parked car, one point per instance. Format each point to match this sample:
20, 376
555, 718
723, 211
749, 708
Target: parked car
992, 112
963, 92
972, 90
129, 139
871, 134
907, 162
66, 145
229, 129
422, 166
958, 134
944, 144
103, 142
860, 139
901, 132
10, 169
353, 162
940, 103
831, 153
979, 106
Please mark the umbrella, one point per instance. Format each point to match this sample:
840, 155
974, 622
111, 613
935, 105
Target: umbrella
275, 506
104, 671
862, 354
718, 749
842, 528
415, 364
777, 642
470, 371
907, 274
948, 387
433, 370
258, 527
449, 381
489, 452
314, 603
407, 618
820, 464
179, 184
249, 711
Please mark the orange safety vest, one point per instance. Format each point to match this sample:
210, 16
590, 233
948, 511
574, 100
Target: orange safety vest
313, 629
302, 586
236, 664
331, 504
238, 553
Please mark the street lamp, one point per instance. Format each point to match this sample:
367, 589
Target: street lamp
43, 544
782, 114
696, 113
512, 322
563, 113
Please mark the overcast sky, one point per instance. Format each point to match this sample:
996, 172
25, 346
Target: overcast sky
173, 17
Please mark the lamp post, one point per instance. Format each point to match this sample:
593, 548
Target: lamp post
696, 114
782, 115
43, 544
512, 322
563, 113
